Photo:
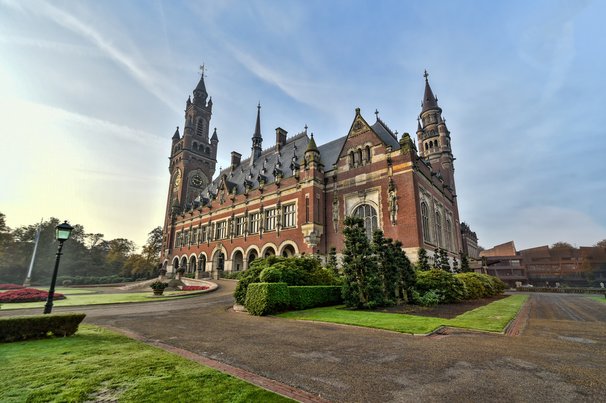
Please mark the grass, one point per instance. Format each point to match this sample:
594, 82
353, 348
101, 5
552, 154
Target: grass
492, 317
97, 364
90, 299
599, 299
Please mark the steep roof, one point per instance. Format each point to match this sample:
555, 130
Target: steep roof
429, 100
385, 134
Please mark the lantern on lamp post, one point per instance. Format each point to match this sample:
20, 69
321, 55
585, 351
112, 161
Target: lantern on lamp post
62, 233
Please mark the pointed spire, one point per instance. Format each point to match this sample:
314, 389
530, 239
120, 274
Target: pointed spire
177, 136
258, 124
429, 100
419, 129
200, 93
214, 137
311, 145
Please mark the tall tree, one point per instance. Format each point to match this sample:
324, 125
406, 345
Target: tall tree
422, 260
384, 252
465, 264
362, 288
601, 244
407, 276
153, 247
332, 263
562, 245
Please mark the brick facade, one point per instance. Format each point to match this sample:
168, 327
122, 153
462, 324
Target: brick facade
292, 198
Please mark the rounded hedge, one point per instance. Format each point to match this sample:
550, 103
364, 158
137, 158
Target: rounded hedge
450, 288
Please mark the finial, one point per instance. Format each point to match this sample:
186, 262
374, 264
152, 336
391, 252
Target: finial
305, 127
202, 70
426, 75
312, 135
377, 113
259, 105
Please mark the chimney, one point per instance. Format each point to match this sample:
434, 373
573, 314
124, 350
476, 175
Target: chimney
280, 137
235, 159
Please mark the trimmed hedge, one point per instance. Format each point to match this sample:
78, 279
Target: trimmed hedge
18, 328
305, 297
266, 298
479, 285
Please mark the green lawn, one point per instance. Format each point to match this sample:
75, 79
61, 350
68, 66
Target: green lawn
97, 364
599, 299
94, 299
492, 317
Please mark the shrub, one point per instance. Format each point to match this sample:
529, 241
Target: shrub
305, 297
66, 283
158, 285
429, 298
266, 298
31, 327
27, 295
11, 287
444, 283
272, 274
194, 287
475, 286
231, 276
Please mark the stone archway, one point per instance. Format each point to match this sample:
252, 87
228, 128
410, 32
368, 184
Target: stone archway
251, 256
218, 263
193, 265
175, 264
237, 261
269, 251
288, 251
201, 266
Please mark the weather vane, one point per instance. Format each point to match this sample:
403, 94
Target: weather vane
202, 70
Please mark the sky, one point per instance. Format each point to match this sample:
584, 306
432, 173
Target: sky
91, 93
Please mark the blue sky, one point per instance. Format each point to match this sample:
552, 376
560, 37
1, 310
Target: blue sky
102, 85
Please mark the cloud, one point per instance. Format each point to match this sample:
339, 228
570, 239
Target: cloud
132, 66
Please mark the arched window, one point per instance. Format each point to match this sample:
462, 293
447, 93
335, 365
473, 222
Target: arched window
438, 229
368, 154
367, 213
359, 156
351, 159
425, 222
200, 127
449, 235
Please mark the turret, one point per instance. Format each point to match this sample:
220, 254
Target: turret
257, 139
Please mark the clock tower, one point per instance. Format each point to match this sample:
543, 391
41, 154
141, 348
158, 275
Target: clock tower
193, 156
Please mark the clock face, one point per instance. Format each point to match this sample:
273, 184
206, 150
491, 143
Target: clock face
196, 180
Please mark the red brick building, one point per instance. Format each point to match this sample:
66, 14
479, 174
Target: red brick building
291, 198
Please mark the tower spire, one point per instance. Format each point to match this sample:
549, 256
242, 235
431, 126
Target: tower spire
200, 93
257, 138
429, 100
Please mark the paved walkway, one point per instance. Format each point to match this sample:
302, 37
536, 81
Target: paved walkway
560, 356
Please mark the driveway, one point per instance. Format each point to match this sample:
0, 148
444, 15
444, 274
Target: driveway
560, 356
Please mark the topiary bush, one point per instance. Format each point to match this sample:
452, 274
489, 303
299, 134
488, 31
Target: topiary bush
266, 298
305, 297
444, 283
18, 328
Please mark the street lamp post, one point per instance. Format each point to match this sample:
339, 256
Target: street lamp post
62, 233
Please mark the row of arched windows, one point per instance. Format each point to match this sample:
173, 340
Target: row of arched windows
442, 234
431, 144
361, 156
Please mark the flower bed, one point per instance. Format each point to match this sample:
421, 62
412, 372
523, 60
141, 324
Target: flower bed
27, 295
194, 288
11, 287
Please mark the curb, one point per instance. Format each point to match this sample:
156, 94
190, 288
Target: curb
250, 377
517, 325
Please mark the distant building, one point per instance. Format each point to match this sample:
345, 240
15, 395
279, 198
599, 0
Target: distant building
469, 241
545, 266
291, 198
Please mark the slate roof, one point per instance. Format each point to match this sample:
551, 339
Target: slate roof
265, 167
271, 163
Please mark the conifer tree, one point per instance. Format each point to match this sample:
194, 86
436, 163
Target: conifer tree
332, 263
455, 265
423, 260
465, 264
384, 251
407, 276
362, 288
441, 260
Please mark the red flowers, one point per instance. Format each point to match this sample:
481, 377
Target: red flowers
194, 287
11, 287
27, 295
